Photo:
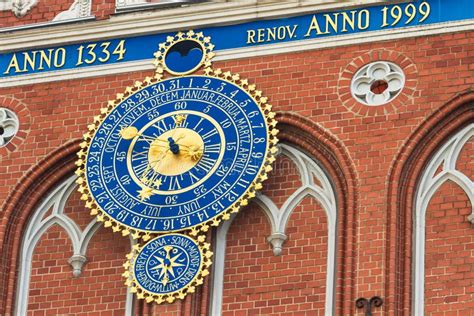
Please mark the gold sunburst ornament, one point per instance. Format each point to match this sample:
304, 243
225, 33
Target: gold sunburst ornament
176, 154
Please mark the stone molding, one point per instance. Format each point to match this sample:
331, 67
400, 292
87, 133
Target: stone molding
278, 219
406, 169
79, 9
40, 224
445, 159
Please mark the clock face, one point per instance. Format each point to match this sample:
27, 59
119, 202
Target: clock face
177, 153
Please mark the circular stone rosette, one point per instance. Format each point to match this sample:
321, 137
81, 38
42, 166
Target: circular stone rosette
167, 268
90, 165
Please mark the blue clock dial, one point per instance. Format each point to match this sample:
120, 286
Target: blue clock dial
177, 153
167, 264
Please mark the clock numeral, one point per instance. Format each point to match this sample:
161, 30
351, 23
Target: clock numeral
233, 94
226, 123
206, 163
171, 199
198, 123
141, 167
209, 134
231, 146
161, 126
193, 177
214, 148
174, 184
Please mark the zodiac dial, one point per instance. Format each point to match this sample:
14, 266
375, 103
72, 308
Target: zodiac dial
167, 267
177, 154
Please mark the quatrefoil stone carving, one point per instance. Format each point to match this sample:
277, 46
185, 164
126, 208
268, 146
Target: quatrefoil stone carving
8, 126
377, 83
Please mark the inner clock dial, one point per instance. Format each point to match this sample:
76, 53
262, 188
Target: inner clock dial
175, 152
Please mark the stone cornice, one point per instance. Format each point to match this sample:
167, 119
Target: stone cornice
158, 21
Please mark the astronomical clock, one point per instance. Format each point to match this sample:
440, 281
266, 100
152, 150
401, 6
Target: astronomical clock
173, 155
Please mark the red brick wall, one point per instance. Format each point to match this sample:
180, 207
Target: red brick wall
305, 84
259, 283
449, 268
54, 290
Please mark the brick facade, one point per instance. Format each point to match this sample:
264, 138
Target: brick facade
374, 157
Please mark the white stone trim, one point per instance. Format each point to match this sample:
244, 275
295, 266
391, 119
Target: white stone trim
5, 5
247, 52
38, 225
278, 219
21, 7
446, 157
9, 125
79, 9
381, 70
149, 22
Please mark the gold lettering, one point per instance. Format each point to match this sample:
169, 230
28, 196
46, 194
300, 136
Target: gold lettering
250, 37
346, 20
271, 34
331, 21
105, 50
13, 64
314, 27
45, 59
281, 33
292, 31
29, 60
360, 20
260, 35
59, 57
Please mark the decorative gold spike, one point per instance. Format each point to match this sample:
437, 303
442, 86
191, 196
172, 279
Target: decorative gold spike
125, 232
107, 223
136, 235
94, 211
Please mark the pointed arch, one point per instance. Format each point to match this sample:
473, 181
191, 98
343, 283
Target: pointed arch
304, 143
404, 176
